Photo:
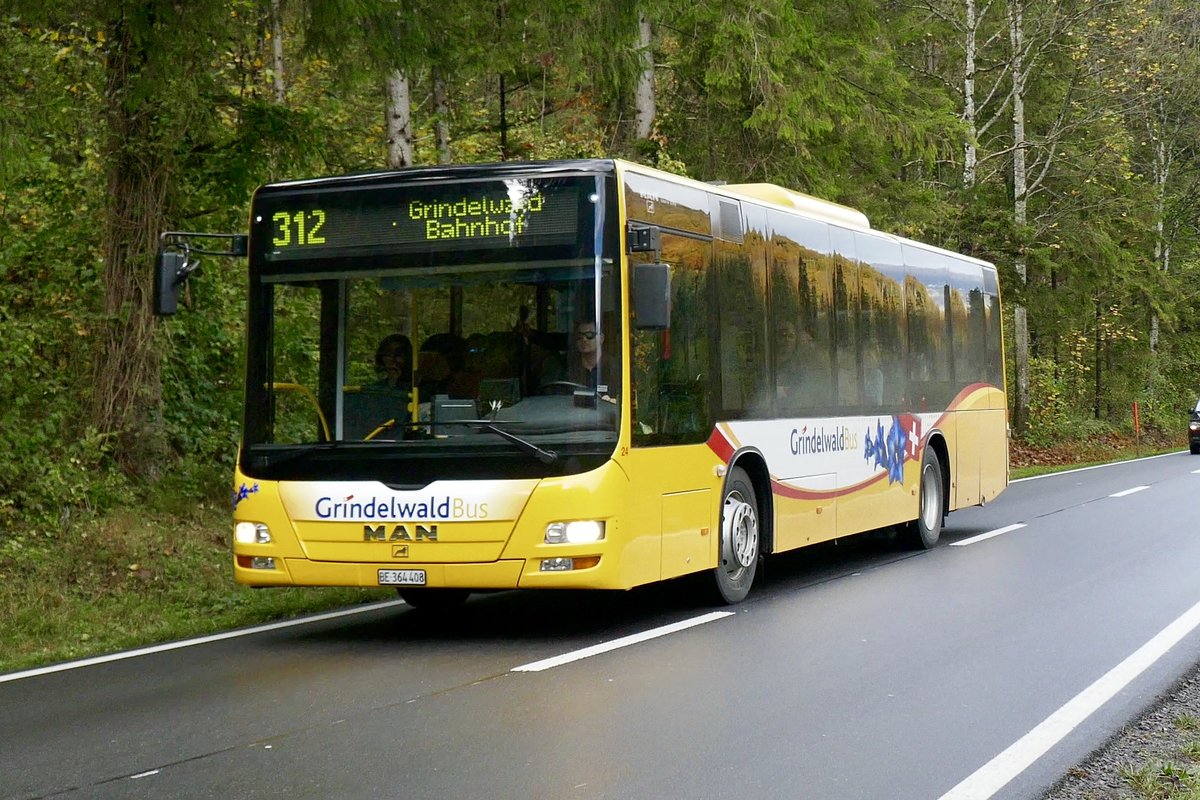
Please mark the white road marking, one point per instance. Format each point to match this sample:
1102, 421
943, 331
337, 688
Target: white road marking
216, 637
1196, 472
992, 776
625, 641
998, 532
1129, 491
1094, 466
144, 774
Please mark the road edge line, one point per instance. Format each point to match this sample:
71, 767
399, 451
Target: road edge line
216, 637
984, 782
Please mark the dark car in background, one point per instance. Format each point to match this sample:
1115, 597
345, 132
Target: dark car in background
1194, 430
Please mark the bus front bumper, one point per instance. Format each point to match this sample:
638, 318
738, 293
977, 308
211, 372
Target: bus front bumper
502, 574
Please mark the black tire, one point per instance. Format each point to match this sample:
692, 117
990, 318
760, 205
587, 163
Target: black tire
738, 543
924, 532
1194, 449
434, 599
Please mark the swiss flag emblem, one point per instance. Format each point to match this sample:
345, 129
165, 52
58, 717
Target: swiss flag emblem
912, 427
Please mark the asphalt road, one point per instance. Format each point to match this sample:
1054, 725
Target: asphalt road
856, 670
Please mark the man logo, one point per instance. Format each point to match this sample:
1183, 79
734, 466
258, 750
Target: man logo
400, 551
400, 533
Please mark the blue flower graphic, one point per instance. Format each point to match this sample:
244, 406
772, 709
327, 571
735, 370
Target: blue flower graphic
888, 451
243, 492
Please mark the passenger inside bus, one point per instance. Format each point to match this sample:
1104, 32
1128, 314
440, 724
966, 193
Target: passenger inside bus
441, 355
394, 362
368, 409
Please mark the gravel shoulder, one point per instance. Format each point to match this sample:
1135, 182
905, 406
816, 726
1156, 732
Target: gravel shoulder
1152, 757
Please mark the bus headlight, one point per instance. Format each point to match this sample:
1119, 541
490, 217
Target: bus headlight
251, 533
581, 531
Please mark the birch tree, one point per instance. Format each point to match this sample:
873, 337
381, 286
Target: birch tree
277, 65
645, 98
399, 120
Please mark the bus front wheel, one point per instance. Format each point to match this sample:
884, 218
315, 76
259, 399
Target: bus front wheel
924, 532
737, 558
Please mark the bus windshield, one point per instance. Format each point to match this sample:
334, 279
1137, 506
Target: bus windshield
448, 330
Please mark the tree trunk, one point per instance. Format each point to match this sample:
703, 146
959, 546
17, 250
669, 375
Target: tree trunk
1020, 212
441, 111
399, 121
970, 156
126, 369
503, 121
645, 90
1162, 168
277, 52
1099, 364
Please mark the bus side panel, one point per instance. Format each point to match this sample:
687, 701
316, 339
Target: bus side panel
993, 452
966, 458
801, 521
677, 501
686, 531
884, 502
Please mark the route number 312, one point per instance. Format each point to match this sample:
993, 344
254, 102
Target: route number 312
299, 228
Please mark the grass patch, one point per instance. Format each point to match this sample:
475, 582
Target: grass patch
1162, 780
132, 578
1032, 470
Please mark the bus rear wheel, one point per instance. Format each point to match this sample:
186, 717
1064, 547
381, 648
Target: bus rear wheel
737, 557
924, 532
434, 599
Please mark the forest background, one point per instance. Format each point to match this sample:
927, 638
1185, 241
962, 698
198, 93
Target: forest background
1056, 138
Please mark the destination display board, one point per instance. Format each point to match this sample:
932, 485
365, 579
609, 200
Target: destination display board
479, 215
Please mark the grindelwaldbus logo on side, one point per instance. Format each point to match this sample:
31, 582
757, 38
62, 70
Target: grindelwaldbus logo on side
352, 509
807, 441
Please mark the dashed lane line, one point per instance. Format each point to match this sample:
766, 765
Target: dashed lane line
625, 641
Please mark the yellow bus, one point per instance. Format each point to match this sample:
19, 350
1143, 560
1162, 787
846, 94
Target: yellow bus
592, 374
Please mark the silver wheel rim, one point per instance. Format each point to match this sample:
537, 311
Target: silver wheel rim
739, 534
931, 500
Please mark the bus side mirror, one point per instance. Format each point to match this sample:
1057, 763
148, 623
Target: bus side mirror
169, 272
652, 296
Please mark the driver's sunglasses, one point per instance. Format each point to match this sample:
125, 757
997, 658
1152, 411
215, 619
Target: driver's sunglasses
586, 334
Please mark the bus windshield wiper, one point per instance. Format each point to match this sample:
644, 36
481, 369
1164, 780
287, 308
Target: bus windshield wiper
544, 456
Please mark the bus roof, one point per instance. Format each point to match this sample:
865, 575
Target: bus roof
772, 194
760, 192
446, 171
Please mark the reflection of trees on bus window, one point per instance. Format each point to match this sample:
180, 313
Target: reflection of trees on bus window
845, 299
671, 373
884, 326
995, 362
741, 320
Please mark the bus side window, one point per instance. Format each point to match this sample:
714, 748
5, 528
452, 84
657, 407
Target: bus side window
671, 371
